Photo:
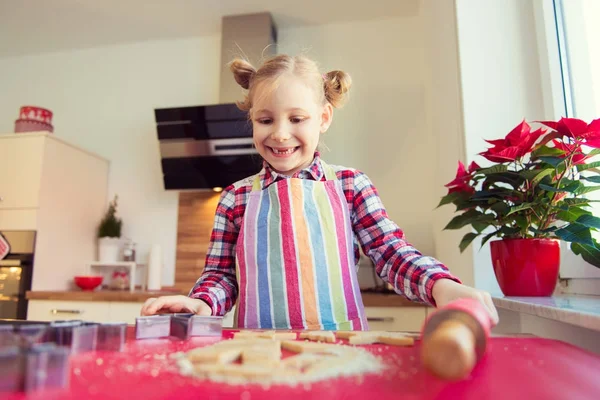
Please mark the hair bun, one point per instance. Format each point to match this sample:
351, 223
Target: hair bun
243, 72
337, 85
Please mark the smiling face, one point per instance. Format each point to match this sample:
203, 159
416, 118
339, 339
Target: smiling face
287, 121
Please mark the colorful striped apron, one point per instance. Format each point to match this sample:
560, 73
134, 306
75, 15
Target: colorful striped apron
295, 258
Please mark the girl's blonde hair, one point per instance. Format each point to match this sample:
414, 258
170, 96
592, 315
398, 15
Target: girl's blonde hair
331, 87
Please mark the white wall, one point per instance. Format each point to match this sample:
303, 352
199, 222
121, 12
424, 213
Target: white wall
383, 128
446, 125
500, 73
103, 100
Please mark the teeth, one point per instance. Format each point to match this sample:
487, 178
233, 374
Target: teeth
288, 151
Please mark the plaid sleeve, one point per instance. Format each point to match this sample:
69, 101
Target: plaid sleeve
217, 286
396, 261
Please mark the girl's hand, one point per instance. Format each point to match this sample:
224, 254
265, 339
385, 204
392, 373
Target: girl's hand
175, 304
446, 290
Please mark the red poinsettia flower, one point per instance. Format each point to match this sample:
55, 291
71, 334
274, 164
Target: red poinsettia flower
515, 145
461, 182
588, 134
567, 148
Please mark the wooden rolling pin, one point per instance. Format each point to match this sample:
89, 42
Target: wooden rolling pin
454, 338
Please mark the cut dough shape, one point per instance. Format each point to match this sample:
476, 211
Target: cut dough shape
306, 347
319, 336
261, 359
396, 339
371, 337
345, 334
215, 355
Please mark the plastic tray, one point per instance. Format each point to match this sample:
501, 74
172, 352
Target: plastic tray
184, 326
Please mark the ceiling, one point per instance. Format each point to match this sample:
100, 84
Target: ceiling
36, 26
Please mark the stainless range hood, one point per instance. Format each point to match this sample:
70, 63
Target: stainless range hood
210, 146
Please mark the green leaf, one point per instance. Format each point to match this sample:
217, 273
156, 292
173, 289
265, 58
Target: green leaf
521, 221
595, 178
589, 221
591, 254
466, 241
554, 161
464, 219
493, 170
571, 213
577, 233
488, 237
547, 151
578, 202
480, 226
535, 175
586, 189
450, 198
550, 188
593, 153
509, 231
500, 208
521, 207
583, 167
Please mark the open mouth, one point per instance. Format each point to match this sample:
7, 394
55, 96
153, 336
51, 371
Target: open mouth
283, 151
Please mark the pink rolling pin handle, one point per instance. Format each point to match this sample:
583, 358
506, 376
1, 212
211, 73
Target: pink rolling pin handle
455, 338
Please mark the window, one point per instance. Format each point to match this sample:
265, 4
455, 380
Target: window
574, 82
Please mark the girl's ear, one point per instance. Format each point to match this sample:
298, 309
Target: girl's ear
326, 117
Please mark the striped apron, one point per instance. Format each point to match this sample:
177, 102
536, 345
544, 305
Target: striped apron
295, 258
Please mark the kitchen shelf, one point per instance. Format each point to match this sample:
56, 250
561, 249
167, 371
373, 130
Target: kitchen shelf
131, 265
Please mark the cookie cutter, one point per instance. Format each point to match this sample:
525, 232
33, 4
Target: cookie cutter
46, 365
153, 327
78, 336
41, 366
184, 326
111, 336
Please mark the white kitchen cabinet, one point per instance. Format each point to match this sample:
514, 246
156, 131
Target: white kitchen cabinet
52, 310
123, 311
58, 190
396, 318
20, 172
93, 311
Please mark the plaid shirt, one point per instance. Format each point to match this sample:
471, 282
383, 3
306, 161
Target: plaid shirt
396, 261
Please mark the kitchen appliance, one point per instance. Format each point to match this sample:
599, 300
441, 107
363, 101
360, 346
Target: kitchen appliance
210, 146
205, 147
16, 271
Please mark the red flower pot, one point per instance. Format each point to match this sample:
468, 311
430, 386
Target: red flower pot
526, 267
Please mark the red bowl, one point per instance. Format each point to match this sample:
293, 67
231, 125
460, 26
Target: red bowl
88, 282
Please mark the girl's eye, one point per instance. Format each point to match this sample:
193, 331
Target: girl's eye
296, 120
264, 121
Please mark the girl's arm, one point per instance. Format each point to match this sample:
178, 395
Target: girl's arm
396, 261
217, 286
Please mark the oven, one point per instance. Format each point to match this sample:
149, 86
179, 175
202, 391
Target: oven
16, 270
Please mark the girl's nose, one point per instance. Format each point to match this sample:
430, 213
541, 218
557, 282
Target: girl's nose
280, 135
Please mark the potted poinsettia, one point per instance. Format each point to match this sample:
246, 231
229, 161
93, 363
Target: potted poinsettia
531, 197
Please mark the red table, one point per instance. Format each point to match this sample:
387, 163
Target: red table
513, 368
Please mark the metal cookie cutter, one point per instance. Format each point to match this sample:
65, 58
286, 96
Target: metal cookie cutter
184, 326
78, 336
111, 336
152, 327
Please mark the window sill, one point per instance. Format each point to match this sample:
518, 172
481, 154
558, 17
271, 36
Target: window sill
578, 310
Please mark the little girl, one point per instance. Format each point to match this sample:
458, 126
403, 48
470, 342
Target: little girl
284, 245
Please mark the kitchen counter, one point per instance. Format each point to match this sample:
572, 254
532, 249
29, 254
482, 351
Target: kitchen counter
370, 299
136, 296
